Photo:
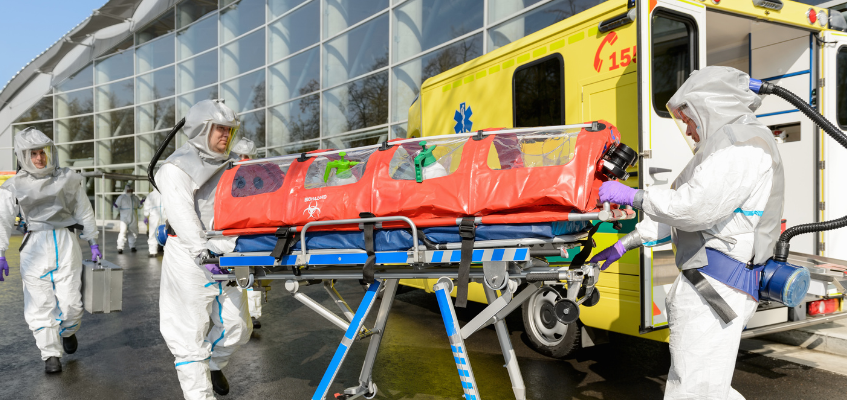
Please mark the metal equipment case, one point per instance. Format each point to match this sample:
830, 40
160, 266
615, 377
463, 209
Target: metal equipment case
102, 287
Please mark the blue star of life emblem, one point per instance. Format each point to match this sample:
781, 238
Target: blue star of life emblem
463, 119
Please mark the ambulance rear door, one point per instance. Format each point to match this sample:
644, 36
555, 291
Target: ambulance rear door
833, 156
671, 44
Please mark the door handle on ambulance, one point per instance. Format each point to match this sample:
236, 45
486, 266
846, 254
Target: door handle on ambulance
657, 170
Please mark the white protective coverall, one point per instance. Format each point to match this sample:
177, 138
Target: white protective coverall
128, 204
202, 321
245, 149
154, 210
50, 200
728, 198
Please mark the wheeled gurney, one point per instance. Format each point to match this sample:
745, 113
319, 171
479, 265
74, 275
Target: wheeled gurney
365, 237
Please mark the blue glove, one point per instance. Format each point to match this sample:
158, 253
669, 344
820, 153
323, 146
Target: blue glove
95, 252
4, 268
610, 255
618, 193
145, 221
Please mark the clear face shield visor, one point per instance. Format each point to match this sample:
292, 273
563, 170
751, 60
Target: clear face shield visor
40, 158
216, 131
681, 117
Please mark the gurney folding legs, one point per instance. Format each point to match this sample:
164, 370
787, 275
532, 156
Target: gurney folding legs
347, 341
366, 386
293, 286
329, 286
457, 344
508, 352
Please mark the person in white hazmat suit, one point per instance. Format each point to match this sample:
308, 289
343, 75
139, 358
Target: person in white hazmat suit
154, 213
245, 149
52, 202
128, 204
203, 321
722, 215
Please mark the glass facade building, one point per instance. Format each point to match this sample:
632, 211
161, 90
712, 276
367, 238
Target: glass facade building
302, 75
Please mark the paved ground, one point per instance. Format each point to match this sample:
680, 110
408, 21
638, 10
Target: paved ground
123, 356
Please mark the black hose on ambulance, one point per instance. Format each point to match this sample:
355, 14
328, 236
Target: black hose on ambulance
782, 246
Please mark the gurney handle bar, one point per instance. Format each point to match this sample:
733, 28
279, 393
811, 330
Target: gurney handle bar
356, 222
435, 273
607, 214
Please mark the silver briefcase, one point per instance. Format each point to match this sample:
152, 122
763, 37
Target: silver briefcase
102, 286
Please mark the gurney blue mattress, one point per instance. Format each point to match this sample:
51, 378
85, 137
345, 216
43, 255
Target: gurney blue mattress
401, 239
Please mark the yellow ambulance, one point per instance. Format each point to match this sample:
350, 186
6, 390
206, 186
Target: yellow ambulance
621, 61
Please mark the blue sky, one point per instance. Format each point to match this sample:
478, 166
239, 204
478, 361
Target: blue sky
29, 27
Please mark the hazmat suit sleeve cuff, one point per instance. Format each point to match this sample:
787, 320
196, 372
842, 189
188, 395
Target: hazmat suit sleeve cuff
638, 199
631, 241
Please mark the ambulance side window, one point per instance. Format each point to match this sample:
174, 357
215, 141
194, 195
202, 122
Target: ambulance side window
674, 45
538, 90
841, 88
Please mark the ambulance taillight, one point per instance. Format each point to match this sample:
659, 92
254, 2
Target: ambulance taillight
820, 307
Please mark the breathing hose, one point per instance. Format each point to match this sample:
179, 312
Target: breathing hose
161, 150
782, 246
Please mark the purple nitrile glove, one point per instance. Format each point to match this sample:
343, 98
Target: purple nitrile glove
610, 255
145, 221
618, 193
95, 252
215, 269
4, 268
115, 205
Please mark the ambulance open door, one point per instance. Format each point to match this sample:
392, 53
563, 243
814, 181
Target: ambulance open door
671, 44
834, 107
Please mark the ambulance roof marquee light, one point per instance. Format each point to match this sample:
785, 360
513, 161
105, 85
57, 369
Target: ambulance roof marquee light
775, 5
822, 19
812, 16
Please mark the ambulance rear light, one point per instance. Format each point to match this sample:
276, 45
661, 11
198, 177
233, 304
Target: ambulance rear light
820, 307
775, 5
811, 16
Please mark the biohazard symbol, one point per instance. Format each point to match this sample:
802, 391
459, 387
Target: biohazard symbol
313, 210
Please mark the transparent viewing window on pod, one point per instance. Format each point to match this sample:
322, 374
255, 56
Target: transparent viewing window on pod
532, 149
441, 157
265, 177
337, 169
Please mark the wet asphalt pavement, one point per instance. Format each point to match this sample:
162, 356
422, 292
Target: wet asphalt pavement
123, 356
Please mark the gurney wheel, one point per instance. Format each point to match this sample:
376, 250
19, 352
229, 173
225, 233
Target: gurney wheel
546, 334
371, 394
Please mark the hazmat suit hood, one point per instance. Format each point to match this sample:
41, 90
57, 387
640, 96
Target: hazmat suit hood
714, 97
196, 158
720, 101
245, 147
32, 139
198, 124
48, 196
